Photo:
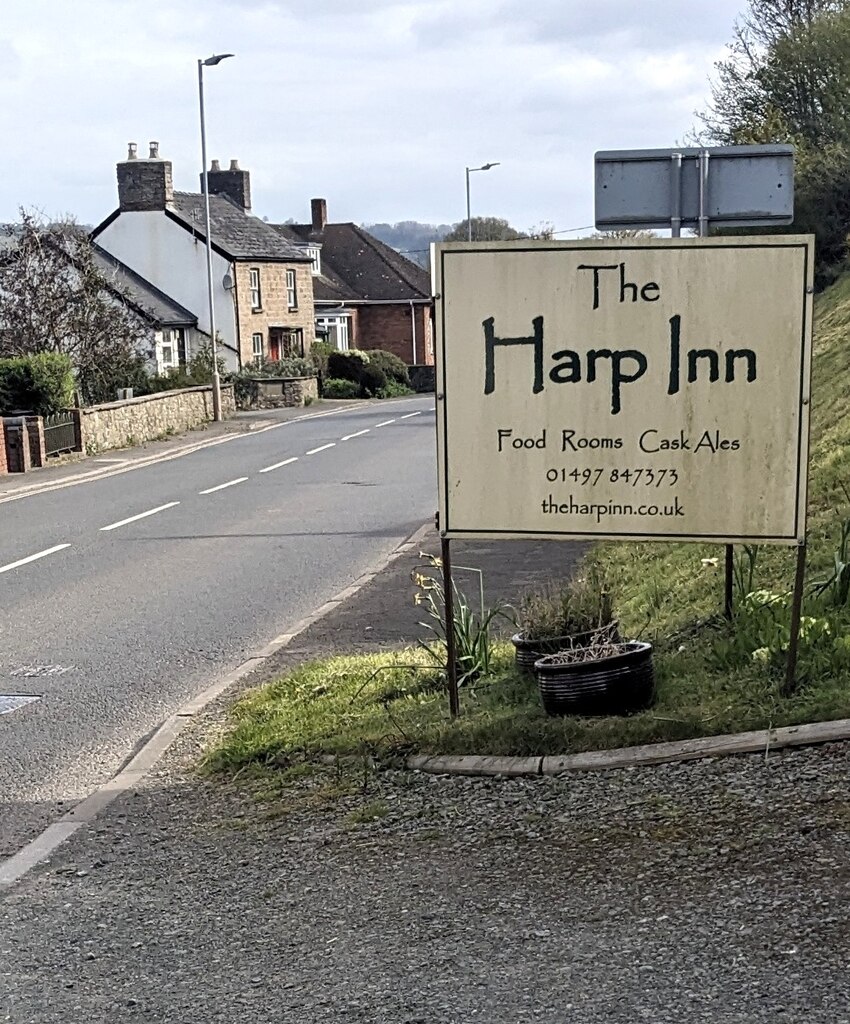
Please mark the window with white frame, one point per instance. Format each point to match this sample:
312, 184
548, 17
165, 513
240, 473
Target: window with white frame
291, 293
335, 330
257, 347
315, 254
256, 295
172, 350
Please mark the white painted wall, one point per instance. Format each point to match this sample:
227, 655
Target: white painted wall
168, 256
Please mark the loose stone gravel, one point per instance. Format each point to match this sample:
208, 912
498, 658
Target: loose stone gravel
715, 891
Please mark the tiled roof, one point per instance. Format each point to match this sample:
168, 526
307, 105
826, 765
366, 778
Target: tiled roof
358, 266
147, 298
238, 234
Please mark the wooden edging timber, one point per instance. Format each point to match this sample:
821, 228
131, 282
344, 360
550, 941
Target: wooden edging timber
760, 741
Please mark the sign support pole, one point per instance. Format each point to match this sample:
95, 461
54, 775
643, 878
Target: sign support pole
796, 611
729, 561
451, 639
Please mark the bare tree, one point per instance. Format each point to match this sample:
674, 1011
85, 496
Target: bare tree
55, 297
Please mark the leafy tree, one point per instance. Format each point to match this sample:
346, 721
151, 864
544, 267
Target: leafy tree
484, 229
56, 297
787, 79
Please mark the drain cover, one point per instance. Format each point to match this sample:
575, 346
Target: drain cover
11, 702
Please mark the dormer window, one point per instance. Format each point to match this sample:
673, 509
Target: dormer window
315, 254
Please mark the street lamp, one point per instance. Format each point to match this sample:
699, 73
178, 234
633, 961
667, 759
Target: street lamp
216, 382
469, 170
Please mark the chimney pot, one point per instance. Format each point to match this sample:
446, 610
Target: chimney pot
234, 165
144, 184
214, 166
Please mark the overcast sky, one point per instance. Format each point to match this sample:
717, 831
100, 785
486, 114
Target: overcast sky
376, 105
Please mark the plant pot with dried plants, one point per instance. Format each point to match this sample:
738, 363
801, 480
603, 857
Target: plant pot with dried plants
563, 616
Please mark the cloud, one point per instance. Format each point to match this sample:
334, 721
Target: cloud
377, 105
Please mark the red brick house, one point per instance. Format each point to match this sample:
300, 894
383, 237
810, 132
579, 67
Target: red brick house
365, 294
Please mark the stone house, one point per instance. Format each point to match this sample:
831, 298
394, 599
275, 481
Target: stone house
262, 283
366, 294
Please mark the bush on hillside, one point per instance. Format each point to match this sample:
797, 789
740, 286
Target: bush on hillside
42, 383
335, 388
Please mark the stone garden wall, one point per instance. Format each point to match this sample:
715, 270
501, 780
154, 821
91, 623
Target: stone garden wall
136, 420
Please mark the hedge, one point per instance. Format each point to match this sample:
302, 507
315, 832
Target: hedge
41, 384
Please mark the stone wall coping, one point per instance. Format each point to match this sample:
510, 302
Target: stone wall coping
141, 399
284, 380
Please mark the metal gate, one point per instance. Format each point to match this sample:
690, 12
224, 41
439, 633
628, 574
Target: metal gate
60, 434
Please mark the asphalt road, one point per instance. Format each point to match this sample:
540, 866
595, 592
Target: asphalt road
123, 597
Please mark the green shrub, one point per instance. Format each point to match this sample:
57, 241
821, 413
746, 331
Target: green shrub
320, 353
394, 369
392, 389
43, 383
347, 365
291, 366
373, 381
336, 388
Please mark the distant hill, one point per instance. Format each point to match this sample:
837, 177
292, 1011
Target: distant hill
410, 237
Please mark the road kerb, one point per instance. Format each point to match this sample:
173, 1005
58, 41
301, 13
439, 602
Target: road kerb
761, 741
14, 868
91, 476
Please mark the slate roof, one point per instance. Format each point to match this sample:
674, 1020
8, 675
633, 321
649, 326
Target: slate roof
153, 304
356, 266
237, 234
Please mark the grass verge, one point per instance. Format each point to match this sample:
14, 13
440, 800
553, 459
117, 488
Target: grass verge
712, 677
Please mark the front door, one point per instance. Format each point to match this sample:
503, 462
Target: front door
275, 343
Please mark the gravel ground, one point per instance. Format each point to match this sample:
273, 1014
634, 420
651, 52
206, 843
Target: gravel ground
715, 891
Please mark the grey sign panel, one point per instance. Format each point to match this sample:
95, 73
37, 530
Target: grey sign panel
729, 186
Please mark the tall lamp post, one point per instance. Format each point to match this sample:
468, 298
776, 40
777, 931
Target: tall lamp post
216, 382
470, 170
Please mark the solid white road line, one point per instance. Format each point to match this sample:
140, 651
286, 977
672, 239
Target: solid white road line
386, 423
359, 433
277, 465
141, 515
33, 558
220, 487
408, 415
323, 448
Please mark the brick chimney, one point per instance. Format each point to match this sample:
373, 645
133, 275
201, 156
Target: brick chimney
319, 210
233, 183
144, 183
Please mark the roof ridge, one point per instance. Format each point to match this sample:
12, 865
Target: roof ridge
371, 240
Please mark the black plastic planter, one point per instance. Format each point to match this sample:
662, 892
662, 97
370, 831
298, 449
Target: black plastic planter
618, 685
528, 652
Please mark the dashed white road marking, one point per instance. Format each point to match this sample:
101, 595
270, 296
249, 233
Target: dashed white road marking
277, 465
34, 558
386, 423
359, 433
409, 414
322, 448
141, 515
221, 487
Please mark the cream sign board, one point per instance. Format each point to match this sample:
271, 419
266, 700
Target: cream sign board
653, 389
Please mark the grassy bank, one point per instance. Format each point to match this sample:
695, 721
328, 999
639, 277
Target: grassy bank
712, 676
